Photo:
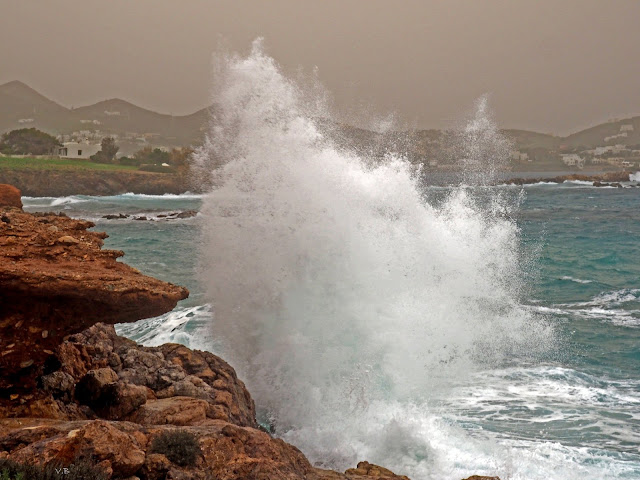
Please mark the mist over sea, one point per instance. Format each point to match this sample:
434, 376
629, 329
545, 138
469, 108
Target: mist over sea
440, 331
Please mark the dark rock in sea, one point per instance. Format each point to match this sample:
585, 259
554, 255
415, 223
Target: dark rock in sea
480, 477
605, 179
187, 214
116, 217
605, 184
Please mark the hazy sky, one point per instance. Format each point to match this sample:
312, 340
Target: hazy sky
549, 65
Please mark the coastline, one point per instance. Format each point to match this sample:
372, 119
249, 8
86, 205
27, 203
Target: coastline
61, 183
599, 180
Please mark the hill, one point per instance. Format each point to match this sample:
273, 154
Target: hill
22, 106
135, 127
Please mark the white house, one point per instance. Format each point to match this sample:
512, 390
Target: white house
78, 150
520, 156
572, 160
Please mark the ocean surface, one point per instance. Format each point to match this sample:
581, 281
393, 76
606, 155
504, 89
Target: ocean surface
568, 411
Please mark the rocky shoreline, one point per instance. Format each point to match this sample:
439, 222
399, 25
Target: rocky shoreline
609, 179
73, 391
62, 183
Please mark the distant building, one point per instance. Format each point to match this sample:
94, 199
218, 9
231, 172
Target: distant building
572, 160
78, 150
619, 135
626, 128
520, 156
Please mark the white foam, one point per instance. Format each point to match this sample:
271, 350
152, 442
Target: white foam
341, 296
165, 196
577, 280
188, 326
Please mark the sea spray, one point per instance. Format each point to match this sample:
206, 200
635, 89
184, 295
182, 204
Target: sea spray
344, 298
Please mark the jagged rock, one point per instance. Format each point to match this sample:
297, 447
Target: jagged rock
66, 239
187, 214
52, 274
480, 477
106, 396
367, 471
172, 411
93, 384
117, 448
60, 384
114, 377
156, 466
10, 197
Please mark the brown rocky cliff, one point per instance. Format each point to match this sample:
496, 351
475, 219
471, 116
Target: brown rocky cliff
55, 280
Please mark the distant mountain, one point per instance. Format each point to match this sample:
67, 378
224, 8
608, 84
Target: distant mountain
21, 106
525, 139
625, 132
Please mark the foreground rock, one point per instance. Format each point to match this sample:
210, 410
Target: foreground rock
56, 281
98, 374
106, 398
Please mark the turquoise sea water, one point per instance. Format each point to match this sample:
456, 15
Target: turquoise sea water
575, 413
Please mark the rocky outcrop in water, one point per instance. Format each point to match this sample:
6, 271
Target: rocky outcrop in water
610, 179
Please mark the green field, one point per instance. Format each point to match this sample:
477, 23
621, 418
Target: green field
59, 164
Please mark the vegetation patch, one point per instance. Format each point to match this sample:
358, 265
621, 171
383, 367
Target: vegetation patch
178, 446
28, 141
54, 163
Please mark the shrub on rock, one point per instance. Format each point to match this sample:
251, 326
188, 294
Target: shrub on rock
180, 447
